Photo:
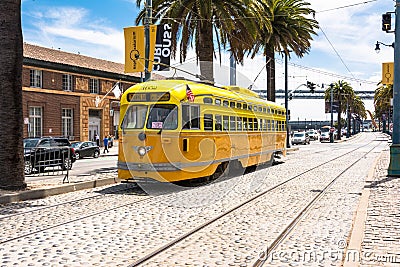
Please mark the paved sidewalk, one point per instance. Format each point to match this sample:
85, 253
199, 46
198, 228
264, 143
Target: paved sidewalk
375, 240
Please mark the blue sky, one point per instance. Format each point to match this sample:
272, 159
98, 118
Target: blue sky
95, 28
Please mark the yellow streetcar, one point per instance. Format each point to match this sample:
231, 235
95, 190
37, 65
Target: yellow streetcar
174, 130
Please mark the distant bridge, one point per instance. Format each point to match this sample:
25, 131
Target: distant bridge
306, 94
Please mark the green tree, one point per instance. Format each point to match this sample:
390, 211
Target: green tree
382, 97
194, 23
286, 27
343, 93
11, 118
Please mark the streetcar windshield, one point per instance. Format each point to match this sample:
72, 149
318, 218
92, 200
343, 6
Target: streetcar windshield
163, 116
135, 117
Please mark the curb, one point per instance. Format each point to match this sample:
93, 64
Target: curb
61, 189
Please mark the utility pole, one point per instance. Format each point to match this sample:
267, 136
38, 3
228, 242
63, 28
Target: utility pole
331, 134
147, 22
287, 102
394, 167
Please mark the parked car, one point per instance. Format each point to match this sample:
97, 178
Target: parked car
86, 149
42, 152
324, 137
313, 134
300, 138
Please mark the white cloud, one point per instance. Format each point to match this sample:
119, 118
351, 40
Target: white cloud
73, 30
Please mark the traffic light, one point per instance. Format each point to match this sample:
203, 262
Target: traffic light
386, 22
290, 96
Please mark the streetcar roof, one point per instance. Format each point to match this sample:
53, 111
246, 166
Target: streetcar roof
177, 89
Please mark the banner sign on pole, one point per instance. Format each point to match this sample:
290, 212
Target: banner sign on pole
162, 52
387, 73
135, 48
335, 106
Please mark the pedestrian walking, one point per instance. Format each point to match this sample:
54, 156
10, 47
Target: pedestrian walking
97, 138
105, 141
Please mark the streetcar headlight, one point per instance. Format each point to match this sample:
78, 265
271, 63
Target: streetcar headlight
141, 151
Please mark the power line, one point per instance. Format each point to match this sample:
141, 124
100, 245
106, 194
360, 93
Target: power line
342, 7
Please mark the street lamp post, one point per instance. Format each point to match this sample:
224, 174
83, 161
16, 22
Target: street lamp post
394, 167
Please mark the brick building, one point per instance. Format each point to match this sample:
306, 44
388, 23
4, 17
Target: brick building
59, 92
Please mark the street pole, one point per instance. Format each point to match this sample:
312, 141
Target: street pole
232, 71
331, 134
348, 120
287, 102
394, 166
147, 22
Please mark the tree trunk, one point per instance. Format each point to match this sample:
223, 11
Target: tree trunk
205, 48
270, 61
11, 117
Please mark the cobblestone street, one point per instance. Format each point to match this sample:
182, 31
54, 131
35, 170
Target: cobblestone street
120, 224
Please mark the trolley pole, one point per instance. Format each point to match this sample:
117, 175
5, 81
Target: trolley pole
287, 102
394, 167
147, 22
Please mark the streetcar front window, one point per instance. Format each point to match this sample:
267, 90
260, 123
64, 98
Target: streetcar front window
163, 116
135, 117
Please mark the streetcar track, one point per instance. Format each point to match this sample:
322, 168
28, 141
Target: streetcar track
63, 203
282, 236
202, 226
75, 220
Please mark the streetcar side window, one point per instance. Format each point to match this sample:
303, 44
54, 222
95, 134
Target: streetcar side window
239, 123
239, 105
226, 123
232, 104
218, 123
244, 106
208, 122
245, 126
232, 121
226, 103
250, 124
218, 102
190, 117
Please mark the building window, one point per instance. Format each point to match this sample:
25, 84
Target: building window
36, 78
35, 122
67, 82
94, 86
67, 122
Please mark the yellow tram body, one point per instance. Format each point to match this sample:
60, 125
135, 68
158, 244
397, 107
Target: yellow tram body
166, 135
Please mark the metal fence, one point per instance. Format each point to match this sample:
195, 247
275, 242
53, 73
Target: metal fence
48, 161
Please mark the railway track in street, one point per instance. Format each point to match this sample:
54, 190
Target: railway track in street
151, 256
288, 229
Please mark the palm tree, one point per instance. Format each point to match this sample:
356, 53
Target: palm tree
11, 120
286, 29
195, 22
343, 93
382, 97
